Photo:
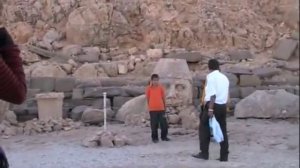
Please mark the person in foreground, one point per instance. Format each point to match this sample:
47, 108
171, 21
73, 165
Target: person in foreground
215, 100
12, 77
155, 94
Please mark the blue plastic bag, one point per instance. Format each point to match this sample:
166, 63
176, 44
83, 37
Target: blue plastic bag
216, 130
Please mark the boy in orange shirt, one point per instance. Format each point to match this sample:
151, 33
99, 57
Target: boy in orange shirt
155, 94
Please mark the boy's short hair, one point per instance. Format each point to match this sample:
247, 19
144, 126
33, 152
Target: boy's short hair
153, 76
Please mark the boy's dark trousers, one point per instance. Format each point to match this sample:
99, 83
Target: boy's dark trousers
3, 159
158, 118
204, 130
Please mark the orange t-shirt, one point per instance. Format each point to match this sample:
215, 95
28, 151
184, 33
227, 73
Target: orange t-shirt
155, 96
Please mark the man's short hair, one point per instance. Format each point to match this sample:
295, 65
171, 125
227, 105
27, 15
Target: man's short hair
213, 64
154, 76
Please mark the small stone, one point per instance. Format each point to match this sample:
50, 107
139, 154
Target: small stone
119, 141
154, 53
107, 140
67, 128
57, 127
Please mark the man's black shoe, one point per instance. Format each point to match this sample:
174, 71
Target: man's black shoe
155, 140
200, 156
166, 139
225, 159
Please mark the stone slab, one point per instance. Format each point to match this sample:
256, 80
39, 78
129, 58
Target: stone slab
249, 80
64, 84
246, 91
285, 49
45, 84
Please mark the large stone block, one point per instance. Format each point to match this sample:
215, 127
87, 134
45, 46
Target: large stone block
266, 72
233, 79
134, 91
285, 49
190, 57
234, 92
246, 91
64, 84
50, 106
239, 55
238, 71
32, 92
249, 80
268, 104
77, 93
45, 84
99, 104
98, 92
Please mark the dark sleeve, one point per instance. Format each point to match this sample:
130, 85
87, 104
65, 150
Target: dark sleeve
12, 77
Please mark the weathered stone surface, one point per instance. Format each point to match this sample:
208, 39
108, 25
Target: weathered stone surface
119, 141
98, 92
77, 112
189, 118
11, 117
89, 71
285, 49
52, 35
268, 104
99, 104
249, 80
134, 91
95, 116
233, 80
90, 142
106, 140
46, 69
50, 106
232, 103
87, 58
238, 71
178, 81
28, 57
173, 119
77, 93
32, 92
110, 68
64, 84
120, 101
136, 106
266, 72
246, 91
234, 92
21, 32
122, 68
45, 84
190, 57
239, 55
72, 50
154, 53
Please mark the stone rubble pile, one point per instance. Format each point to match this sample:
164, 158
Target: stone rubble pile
106, 139
10, 127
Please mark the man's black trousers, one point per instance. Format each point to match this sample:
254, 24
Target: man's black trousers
204, 130
158, 119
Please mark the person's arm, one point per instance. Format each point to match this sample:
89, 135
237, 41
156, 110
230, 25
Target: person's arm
211, 92
163, 96
147, 93
12, 77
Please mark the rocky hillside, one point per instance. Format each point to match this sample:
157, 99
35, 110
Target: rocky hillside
191, 24
74, 35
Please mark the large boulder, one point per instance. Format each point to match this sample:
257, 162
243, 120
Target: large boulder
89, 71
132, 109
21, 32
89, 25
268, 104
95, 116
47, 69
189, 117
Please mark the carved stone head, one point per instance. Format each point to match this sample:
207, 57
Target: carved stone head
175, 75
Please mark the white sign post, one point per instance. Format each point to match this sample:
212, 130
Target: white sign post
104, 109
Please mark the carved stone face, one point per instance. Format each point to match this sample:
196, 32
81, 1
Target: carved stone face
175, 76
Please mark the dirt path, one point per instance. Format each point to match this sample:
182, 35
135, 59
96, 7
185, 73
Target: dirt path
253, 143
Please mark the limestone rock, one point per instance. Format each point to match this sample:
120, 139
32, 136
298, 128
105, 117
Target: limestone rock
268, 104
122, 68
189, 118
28, 57
155, 53
106, 140
95, 116
173, 119
285, 49
51, 36
21, 32
11, 117
72, 50
132, 108
240, 55
46, 69
119, 141
110, 68
77, 112
89, 71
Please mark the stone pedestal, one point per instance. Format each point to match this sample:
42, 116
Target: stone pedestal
50, 106
4, 107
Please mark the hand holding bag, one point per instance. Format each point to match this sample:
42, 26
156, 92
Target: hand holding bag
216, 130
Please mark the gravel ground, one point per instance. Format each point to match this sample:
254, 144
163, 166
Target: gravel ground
253, 143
